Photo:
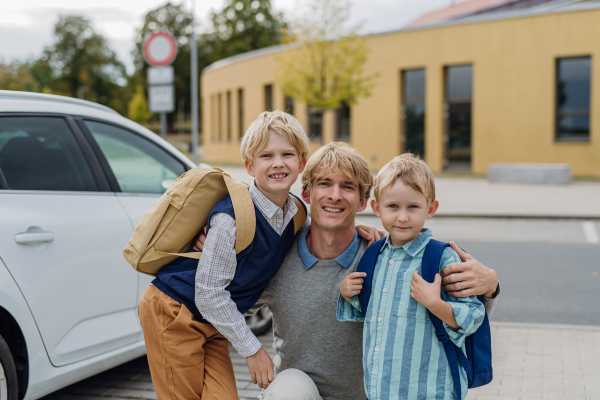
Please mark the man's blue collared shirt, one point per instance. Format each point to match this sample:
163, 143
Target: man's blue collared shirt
345, 259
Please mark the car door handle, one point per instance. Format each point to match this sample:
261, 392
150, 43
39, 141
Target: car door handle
30, 237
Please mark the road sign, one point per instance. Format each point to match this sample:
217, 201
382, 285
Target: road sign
160, 75
161, 99
160, 48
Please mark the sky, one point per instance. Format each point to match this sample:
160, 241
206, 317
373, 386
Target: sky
26, 25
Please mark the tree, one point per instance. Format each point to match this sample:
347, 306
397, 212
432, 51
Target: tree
138, 106
245, 25
82, 64
18, 76
323, 63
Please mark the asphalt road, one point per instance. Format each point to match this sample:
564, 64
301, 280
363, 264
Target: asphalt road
548, 270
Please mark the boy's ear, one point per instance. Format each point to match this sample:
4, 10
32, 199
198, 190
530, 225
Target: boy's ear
375, 207
305, 196
433, 208
249, 168
302, 165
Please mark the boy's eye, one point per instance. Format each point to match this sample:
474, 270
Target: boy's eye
393, 206
413, 206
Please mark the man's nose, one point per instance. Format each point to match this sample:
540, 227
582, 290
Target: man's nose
335, 193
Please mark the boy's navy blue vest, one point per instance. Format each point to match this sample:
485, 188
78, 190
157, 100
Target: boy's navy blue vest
478, 362
256, 265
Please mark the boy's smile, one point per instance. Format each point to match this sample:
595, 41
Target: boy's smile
275, 168
403, 212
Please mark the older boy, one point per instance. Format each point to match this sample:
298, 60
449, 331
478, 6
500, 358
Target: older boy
402, 357
193, 310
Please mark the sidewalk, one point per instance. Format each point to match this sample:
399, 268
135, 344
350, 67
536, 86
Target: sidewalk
476, 197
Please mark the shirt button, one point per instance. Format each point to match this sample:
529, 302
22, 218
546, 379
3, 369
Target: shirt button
384, 290
376, 348
356, 302
391, 261
379, 319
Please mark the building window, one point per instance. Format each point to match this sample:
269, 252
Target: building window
342, 123
413, 111
315, 125
573, 76
228, 116
220, 117
240, 113
214, 116
268, 97
457, 114
289, 105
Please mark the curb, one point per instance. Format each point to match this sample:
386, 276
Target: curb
527, 325
500, 216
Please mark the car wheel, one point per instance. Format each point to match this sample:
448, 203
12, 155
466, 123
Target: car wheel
8, 373
261, 322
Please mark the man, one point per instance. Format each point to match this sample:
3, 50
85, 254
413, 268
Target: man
319, 357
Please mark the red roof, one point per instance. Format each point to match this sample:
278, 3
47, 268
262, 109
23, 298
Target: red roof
457, 10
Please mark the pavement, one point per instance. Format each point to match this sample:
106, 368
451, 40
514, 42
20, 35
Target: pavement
530, 360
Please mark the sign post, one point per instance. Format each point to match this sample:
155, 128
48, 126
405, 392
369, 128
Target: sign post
160, 49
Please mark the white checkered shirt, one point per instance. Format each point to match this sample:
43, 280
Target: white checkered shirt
217, 267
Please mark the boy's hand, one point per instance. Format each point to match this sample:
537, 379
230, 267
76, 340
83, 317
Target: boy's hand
261, 366
198, 242
369, 232
352, 285
427, 294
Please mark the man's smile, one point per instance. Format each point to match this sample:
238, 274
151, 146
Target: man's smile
333, 209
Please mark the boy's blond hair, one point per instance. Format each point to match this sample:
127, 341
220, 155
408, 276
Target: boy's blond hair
412, 171
257, 135
339, 158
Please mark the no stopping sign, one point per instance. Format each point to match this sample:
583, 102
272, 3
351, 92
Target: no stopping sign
160, 48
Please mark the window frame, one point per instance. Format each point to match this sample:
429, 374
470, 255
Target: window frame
98, 173
112, 179
557, 114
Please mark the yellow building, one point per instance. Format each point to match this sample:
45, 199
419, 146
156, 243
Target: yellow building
491, 85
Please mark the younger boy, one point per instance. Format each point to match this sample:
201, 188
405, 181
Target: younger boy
402, 357
194, 309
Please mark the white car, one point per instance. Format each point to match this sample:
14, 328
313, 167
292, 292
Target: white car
75, 178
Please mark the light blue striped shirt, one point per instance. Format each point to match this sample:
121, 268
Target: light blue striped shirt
402, 357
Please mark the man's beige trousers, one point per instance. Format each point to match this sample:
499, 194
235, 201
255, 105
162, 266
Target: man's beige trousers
188, 359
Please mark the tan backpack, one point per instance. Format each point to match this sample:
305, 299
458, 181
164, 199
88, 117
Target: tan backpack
167, 230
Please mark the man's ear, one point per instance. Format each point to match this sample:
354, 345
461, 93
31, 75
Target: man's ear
249, 168
362, 205
305, 196
375, 207
433, 208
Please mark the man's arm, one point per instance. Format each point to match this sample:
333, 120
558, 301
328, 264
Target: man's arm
216, 270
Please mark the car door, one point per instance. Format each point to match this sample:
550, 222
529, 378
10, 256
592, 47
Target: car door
140, 170
61, 238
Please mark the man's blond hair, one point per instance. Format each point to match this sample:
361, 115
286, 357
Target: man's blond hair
341, 159
257, 135
412, 171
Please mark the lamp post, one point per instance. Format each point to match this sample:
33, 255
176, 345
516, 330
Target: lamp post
194, 60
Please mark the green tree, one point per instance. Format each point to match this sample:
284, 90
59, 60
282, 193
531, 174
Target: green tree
138, 106
18, 76
323, 64
82, 64
245, 25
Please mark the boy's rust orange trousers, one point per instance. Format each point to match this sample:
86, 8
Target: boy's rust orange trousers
188, 359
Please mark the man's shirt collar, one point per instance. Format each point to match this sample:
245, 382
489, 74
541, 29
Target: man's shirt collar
414, 246
345, 259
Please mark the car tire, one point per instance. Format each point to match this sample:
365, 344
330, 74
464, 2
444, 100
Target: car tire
9, 387
261, 322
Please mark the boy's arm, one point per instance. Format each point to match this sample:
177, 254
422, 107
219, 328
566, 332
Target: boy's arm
349, 311
215, 271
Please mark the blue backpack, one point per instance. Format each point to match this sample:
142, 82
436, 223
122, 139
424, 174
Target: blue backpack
478, 362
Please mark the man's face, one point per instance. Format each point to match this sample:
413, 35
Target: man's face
334, 200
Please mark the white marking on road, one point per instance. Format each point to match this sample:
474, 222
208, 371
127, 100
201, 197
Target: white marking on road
590, 233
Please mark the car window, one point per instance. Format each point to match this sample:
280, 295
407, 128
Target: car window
139, 165
41, 153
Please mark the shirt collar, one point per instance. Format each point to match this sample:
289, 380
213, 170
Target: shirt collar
414, 246
267, 207
345, 259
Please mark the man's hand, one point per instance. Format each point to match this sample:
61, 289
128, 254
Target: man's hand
468, 278
261, 366
369, 232
352, 285
427, 294
199, 240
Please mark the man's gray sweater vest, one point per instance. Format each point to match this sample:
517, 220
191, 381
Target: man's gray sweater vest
308, 335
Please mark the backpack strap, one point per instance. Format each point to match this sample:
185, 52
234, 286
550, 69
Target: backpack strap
430, 266
367, 265
300, 216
